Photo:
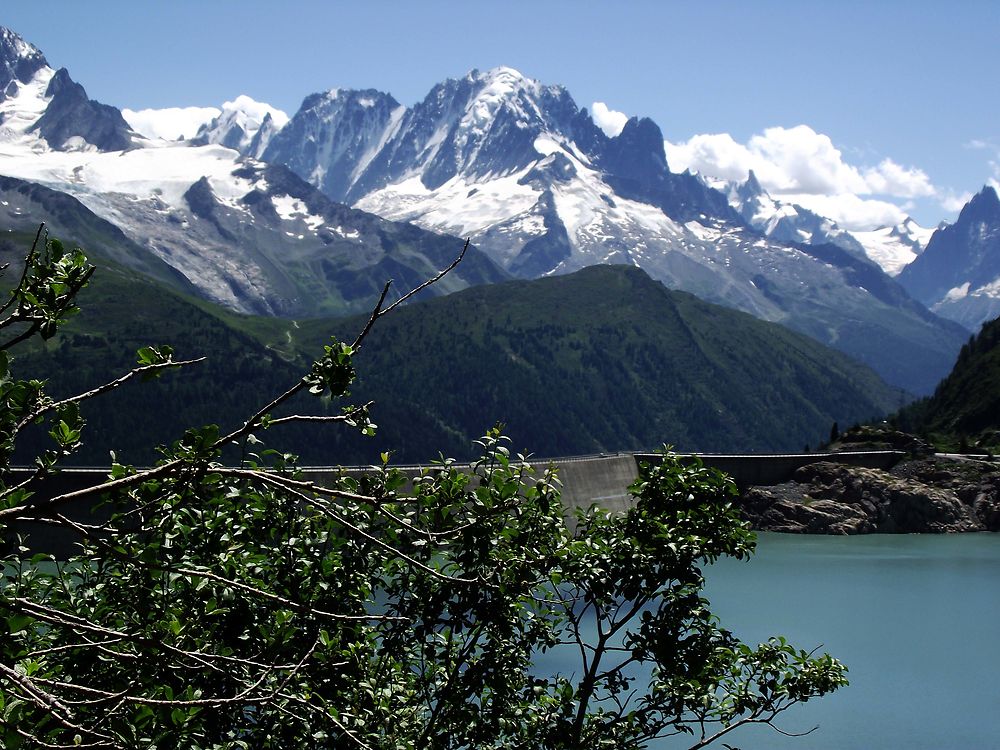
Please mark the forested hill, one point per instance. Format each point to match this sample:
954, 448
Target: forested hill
965, 406
603, 359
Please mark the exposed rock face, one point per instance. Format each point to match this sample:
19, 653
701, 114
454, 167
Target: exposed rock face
71, 114
918, 496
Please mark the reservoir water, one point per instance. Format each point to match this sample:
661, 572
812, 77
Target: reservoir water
916, 618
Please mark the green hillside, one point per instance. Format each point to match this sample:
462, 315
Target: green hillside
965, 407
604, 359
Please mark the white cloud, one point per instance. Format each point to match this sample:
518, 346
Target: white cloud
804, 161
954, 202
850, 211
803, 166
892, 179
795, 160
610, 121
716, 155
170, 123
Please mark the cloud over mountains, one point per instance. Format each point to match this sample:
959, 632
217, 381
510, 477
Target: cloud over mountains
800, 165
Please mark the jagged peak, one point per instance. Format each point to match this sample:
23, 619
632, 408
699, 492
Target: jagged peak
987, 197
643, 135
344, 96
19, 60
250, 108
984, 205
749, 189
239, 122
14, 47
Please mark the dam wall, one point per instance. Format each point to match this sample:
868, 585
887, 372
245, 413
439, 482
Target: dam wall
600, 479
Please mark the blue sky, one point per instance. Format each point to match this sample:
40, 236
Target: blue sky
898, 99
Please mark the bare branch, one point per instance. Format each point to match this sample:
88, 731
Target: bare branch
376, 313
421, 287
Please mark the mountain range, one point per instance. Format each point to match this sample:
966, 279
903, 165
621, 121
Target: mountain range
892, 248
245, 234
524, 172
306, 218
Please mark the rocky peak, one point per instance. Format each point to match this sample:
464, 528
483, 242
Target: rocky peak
238, 124
750, 189
960, 258
19, 60
637, 153
265, 133
333, 136
984, 207
71, 115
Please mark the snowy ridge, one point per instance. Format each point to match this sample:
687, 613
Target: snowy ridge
480, 126
788, 222
896, 247
24, 104
240, 122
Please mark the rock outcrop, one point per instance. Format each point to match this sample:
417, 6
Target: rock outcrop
925, 495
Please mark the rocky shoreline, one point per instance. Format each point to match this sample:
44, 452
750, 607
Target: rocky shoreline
923, 494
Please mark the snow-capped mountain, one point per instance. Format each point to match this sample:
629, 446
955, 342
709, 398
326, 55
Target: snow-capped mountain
253, 237
891, 248
517, 166
334, 136
895, 247
244, 125
786, 222
40, 104
958, 274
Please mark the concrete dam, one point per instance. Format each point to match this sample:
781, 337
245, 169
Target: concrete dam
602, 479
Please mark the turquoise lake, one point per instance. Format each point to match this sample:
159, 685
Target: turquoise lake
916, 618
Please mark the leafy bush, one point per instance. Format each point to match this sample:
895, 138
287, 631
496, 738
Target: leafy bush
237, 604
